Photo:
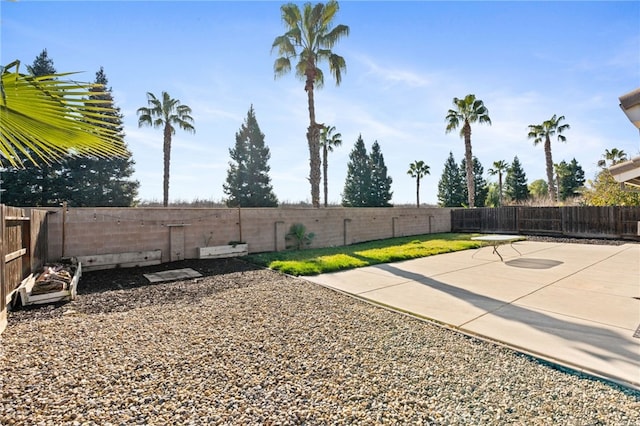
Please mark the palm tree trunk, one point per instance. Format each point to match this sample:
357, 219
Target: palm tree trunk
418, 192
167, 161
469, 166
500, 188
313, 138
549, 161
325, 155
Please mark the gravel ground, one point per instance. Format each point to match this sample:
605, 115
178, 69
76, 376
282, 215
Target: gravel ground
249, 346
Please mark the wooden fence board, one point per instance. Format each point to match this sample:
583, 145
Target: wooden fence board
579, 221
23, 248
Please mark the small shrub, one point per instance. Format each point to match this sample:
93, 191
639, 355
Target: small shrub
298, 238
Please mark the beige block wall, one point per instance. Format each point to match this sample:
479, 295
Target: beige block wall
179, 232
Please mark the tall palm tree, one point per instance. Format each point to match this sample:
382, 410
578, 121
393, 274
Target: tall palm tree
309, 39
166, 113
543, 133
418, 169
468, 110
328, 141
45, 118
499, 167
610, 158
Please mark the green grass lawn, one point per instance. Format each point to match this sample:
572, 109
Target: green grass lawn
330, 259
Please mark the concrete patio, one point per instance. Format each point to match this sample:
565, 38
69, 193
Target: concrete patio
576, 305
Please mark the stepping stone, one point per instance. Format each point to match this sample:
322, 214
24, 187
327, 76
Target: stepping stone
172, 275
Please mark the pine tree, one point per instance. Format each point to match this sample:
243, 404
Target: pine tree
451, 185
480, 184
516, 182
32, 185
248, 183
357, 187
380, 182
102, 182
571, 180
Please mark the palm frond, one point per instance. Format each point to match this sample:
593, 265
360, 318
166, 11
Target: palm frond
52, 117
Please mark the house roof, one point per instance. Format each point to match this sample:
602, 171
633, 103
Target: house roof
627, 172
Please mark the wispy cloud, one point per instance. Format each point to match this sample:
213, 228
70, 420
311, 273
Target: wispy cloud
393, 76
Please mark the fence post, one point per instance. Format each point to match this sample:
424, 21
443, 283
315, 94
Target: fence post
3, 296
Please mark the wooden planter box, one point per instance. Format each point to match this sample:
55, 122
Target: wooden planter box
26, 298
215, 252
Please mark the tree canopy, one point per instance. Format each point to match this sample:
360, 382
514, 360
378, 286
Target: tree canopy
451, 185
248, 183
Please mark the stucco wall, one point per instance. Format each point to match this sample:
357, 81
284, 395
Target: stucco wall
178, 232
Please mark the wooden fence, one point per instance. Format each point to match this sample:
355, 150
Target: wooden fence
582, 222
23, 249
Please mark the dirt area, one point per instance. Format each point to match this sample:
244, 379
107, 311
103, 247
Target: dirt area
118, 290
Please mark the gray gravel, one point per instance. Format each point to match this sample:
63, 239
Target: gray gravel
257, 347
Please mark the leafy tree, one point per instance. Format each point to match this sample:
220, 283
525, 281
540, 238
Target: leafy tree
167, 113
570, 179
610, 158
94, 181
516, 182
328, 141
499, 168
248, 183
493, 195
451, 185
542, 133
539, 188
380, 193
309, 39
479, 184
357, 187
418, 169
606, 191
468, 110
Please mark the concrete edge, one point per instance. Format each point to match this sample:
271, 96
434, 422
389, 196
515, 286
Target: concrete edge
557, 364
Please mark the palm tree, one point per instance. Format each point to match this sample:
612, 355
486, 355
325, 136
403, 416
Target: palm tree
309, 39
468, 110
166, 113
328, 141
610, 158
499, 167
543, 133
418, 169
45, 118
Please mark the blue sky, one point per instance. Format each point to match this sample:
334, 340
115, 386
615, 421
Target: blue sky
405, 63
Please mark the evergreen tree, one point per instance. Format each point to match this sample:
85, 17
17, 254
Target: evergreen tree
31, 185
42, 65
480, 184
102, 182
571, 179
380, 194
357, 187
81, 181
451, 185
248, 183
516, 182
